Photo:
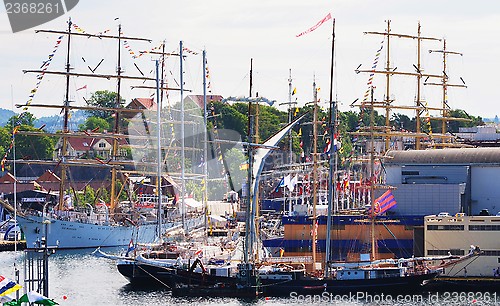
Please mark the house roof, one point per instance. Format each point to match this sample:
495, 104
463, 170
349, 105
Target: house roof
7, 178
86, 144
82, 144
48, 176
142, 103
446, 156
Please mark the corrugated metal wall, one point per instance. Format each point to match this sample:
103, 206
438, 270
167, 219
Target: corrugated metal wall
427, 199
485, 189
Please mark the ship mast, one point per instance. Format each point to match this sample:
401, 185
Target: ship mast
183, 175
332, 158
256, 140
205, 141
315, 173
116, 129
67, 107
444, 83
389, 72
372, 177
65, 126
290, 139
158, 151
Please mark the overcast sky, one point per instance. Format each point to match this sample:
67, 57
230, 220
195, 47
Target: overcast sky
233, 32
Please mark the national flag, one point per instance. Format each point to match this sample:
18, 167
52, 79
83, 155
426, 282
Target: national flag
286, 180
317, 25
84, 87
327, 147
336, 142
32, 297
8, 286
383, 203
280, 184
292, 182
131, 247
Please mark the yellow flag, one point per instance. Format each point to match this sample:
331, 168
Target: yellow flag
300, 132
294, 91
296, 111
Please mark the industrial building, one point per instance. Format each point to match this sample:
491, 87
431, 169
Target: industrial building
461, 180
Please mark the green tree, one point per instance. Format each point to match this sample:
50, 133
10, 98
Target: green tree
228, 117
234, 159
87, 196
5, 137
104, 98
93, 123
27, 147
33, 147
26, 119
400, 121
458, 113
195, 188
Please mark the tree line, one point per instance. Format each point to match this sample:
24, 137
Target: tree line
227, 116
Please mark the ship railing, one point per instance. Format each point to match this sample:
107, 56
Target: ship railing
288, 259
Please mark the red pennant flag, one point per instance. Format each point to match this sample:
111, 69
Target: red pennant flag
327, 17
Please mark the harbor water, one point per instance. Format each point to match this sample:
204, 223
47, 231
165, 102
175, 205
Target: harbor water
79, 278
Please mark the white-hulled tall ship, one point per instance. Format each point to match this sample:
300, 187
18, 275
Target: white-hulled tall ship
69, 223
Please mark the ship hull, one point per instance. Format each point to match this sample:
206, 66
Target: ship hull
75, 235
150, 275
332, 287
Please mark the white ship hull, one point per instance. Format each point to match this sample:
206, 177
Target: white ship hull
73, 234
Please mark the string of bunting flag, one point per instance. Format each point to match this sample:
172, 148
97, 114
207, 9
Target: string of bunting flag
207, 76
39, 77
44, 67
372, 74
428, 121
8, 286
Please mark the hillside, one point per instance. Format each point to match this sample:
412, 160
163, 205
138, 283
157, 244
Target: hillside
5, 115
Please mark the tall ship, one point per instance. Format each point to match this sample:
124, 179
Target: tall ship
132, 202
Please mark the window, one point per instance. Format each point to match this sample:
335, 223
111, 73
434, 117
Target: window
445, 227
484, 227
408, 172
490, 253
445, 252
102, 145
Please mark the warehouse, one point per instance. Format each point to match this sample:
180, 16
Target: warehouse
448, 180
